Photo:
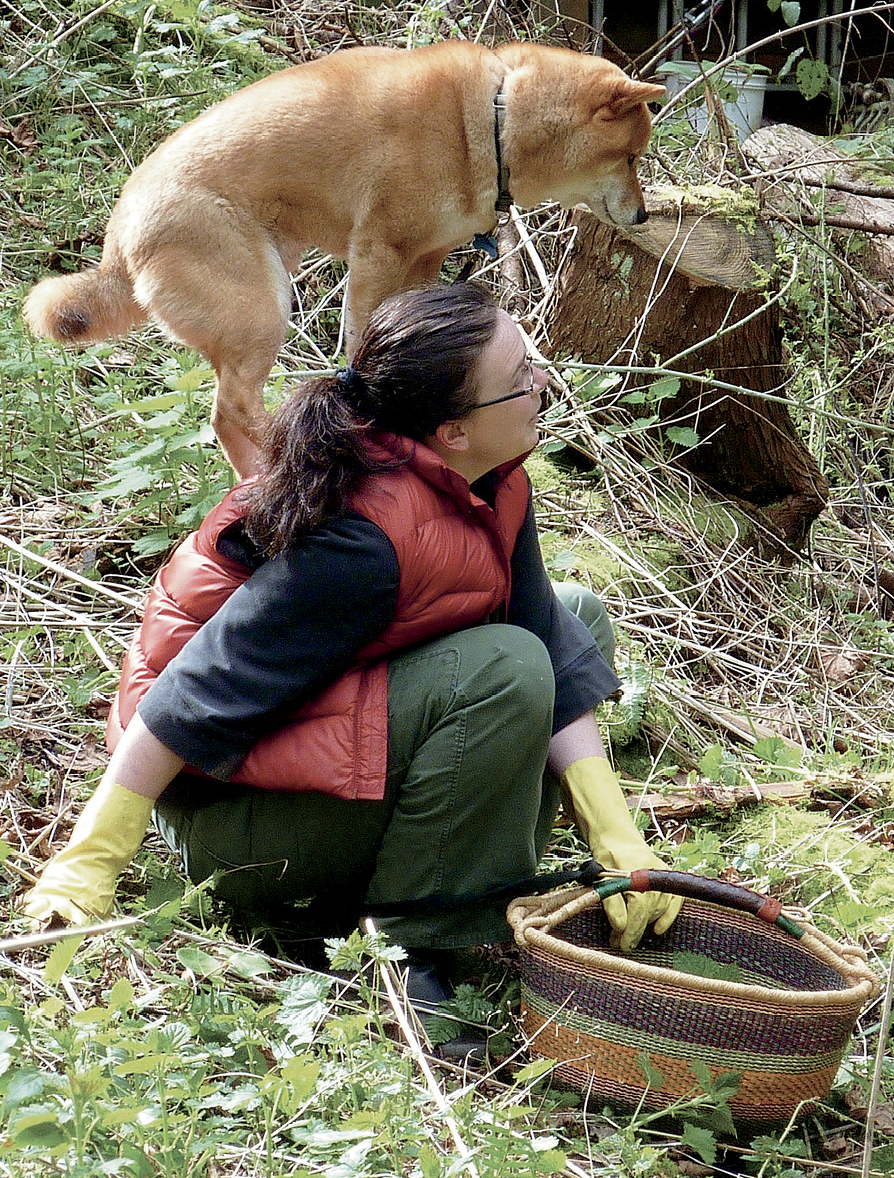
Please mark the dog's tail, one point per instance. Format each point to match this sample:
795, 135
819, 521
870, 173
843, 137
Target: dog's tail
83, 308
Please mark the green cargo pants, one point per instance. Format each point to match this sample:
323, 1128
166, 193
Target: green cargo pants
468, 806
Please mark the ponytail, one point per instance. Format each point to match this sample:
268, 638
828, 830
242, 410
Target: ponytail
415, 367
315, 457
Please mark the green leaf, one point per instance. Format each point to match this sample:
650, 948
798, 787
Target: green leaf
5, 850
245, 964
812, 77
25, 1084
789, 62
301, 1073
303, 1005
192, 379
654, 1078
701, 966
151, 1062
682, 435
60, 958
201, 963
702, 1073
667, 386
152, 404
121, 995
775, 751
429, 1162
550, 1161
38, 1130
563, 561
718, 764
702, 1141
534, 1070
791, 12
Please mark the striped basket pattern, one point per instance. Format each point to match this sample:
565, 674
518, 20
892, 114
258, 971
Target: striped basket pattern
721, 987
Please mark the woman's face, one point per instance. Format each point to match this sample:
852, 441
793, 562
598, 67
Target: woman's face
508, 397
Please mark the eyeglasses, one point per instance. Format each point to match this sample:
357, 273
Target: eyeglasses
528, 392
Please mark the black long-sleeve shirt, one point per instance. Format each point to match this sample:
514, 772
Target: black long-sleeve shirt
296, 624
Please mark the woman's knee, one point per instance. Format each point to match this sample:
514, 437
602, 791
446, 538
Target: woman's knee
516, 664
588, 607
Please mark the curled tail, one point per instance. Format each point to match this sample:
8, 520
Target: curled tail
83, 308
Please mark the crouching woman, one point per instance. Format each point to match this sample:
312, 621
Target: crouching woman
355, 684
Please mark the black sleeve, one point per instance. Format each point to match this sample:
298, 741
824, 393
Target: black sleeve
286, 633
583, 677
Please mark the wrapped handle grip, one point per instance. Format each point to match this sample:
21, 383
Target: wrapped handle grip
700, 887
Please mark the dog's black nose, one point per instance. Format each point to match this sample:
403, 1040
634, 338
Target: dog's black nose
641, 216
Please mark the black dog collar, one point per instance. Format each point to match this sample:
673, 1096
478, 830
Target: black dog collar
504, 197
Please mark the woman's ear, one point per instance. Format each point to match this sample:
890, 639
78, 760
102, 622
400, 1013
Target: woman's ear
452, 436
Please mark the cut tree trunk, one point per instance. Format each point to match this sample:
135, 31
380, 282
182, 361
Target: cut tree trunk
621, 304
809, 181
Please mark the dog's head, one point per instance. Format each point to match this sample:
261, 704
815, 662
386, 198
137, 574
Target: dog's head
615, 136
578, 126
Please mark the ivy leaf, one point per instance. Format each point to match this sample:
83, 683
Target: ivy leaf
812, 77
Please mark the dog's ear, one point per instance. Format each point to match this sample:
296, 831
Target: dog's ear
627, 94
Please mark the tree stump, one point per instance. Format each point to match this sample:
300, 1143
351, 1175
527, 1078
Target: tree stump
620, 304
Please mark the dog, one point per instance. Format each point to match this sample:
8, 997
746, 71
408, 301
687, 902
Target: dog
388, 158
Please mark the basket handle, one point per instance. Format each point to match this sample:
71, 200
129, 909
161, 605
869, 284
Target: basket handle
700, 887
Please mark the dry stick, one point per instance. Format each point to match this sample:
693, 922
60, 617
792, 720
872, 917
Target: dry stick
811, 1163
529, 247
51, 936
69, 574
73, 616
418, 1054
877, 1072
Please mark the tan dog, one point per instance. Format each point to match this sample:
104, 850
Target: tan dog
387, 158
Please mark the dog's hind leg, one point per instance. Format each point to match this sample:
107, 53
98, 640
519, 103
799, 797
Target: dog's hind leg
234, 308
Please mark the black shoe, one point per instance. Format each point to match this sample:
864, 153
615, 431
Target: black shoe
429, 989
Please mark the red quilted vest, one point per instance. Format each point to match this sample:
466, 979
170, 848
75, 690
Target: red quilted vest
453, 552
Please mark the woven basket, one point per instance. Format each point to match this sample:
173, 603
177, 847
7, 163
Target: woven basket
778, 1003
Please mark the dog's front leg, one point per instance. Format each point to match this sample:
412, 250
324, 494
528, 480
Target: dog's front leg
239, 437
238, 414
377, 271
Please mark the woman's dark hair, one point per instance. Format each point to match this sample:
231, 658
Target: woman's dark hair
414, 369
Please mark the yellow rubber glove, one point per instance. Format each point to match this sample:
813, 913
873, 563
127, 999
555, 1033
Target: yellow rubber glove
78, 884
602, 814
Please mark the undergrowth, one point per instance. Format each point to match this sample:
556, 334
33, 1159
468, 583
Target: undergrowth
182, 1045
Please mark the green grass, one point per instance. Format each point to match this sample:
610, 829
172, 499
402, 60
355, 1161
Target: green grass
177, 1047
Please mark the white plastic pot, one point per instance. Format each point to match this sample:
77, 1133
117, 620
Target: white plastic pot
741, 89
